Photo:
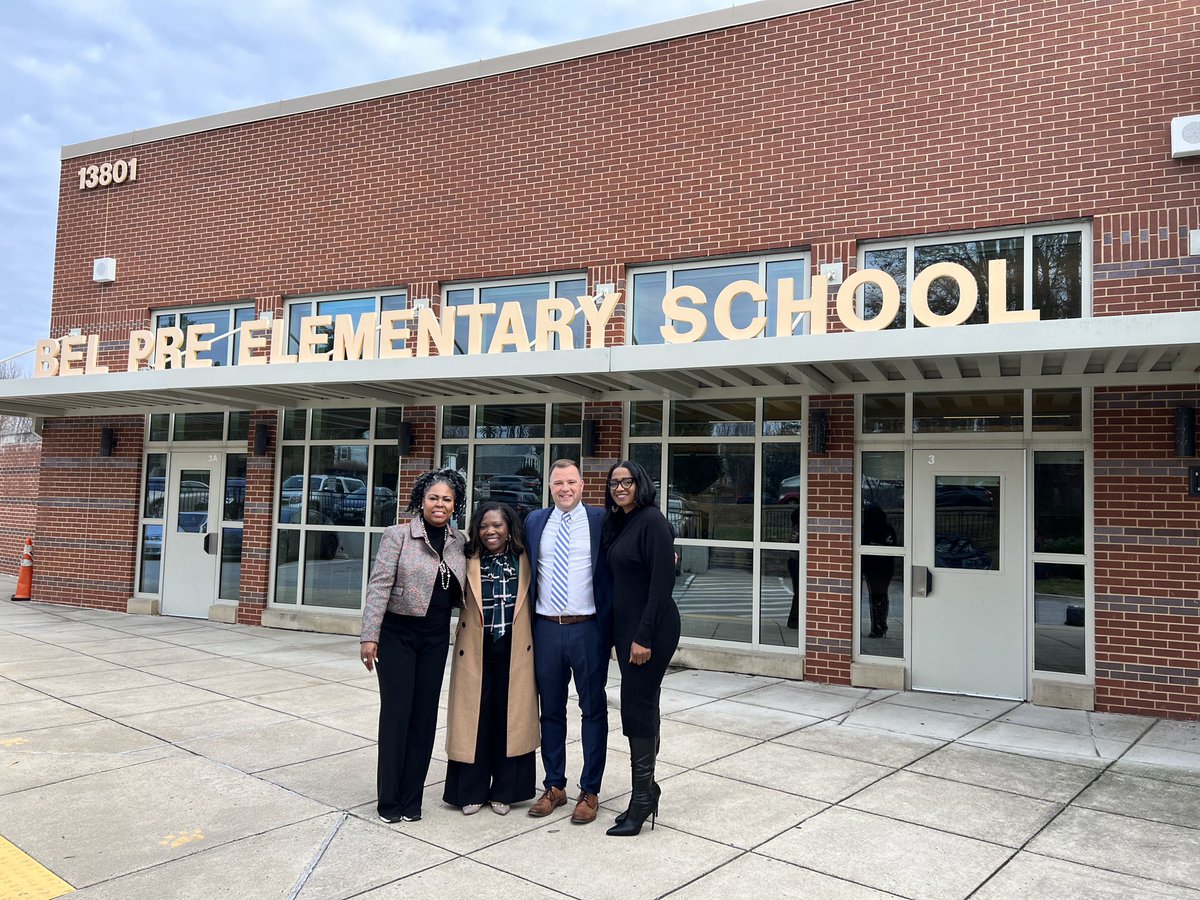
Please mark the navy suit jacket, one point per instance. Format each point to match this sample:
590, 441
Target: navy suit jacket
535, 524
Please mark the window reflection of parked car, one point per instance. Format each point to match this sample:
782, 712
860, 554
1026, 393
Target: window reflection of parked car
684, 520
326, 492
522, 502
193, 495
957, 551
789, 489
353, 507
529, 484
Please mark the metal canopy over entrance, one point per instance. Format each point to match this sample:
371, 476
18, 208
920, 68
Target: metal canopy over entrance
1158, 349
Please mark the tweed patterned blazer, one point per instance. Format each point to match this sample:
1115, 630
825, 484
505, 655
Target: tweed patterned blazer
405, 567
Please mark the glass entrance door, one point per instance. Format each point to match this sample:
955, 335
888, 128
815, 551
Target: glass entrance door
968, 573
191, 532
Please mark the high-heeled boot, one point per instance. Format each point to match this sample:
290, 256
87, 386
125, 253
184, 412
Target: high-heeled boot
622, 816
643, 802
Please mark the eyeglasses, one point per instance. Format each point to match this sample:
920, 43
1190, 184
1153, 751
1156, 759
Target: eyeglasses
620, 483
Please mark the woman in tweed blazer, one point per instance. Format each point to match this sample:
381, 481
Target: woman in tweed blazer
417, 578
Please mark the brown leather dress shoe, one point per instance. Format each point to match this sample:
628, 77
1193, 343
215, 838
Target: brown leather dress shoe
548, 802
585, 809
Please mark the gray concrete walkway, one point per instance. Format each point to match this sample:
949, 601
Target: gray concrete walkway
155, 758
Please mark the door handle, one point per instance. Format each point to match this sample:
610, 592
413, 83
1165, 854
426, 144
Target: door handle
208, 547
922, 581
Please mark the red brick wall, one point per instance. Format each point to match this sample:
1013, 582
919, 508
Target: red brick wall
87, 513
829, 536
18, 501
822, 126
1147, 544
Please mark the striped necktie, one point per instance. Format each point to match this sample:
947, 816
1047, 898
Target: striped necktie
562, 558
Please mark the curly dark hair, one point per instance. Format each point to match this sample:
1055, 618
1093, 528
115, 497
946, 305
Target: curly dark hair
516, 541
425, 481
647, 495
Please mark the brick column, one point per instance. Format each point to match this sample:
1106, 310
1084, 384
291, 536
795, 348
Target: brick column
258, 520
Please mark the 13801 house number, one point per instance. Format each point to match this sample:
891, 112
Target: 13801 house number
117, 172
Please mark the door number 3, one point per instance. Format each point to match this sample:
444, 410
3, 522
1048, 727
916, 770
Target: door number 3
932, 459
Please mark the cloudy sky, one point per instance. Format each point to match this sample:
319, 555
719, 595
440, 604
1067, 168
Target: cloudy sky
75, 70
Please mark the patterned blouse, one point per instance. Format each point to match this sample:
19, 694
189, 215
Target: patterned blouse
498, 576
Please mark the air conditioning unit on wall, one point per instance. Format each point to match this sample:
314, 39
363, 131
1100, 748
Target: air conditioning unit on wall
1185, 136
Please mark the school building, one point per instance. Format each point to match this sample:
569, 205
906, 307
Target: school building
899, 303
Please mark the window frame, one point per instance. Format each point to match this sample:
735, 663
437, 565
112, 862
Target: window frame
232, 334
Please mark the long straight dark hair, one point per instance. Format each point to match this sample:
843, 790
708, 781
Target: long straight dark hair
647, 495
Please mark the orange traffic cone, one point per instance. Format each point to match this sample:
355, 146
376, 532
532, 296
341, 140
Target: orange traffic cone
25, 578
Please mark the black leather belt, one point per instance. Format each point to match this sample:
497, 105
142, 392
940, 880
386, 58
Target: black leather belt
567, 620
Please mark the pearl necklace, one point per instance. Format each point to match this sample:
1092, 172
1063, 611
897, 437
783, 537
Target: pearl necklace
443, 569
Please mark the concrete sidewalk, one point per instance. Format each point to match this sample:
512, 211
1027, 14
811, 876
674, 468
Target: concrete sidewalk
154, 758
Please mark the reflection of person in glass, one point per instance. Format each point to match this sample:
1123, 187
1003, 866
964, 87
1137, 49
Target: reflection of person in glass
646, 625
492, 723
877, 570
417, 578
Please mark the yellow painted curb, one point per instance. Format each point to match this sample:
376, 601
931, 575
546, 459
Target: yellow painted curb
24, 878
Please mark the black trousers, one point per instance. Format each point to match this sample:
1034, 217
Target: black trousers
494, 775
411, 665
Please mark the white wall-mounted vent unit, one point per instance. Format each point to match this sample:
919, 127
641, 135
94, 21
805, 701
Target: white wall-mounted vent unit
1185, 136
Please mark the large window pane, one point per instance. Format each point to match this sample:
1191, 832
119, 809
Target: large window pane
387, 423
713, 418
336, 474
974, 256
1058, 410
294, 421
296, 312
341, 424
384, 501
968, 412
650, 289
287, 564
882, 490
240, 315
218, 351
333, 567
456, 422
231, 563
646, 418
1059, 618
511, 473
152, 543
1058, 275
1058, 499
782, 417
779, 598
881, 606
780, 493
239, 425
883, 414
291, 484
714, 485
235, 487
714, 591
354, 308
566, 420
199, 426
156, 485
160, 427
967, 522
510, 420
893, 261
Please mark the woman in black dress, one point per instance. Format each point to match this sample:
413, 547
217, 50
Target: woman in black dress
641, 556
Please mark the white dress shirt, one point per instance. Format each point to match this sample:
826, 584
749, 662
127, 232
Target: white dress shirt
580, 601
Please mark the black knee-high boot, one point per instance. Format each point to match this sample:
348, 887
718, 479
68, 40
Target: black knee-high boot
643, 802
621, 817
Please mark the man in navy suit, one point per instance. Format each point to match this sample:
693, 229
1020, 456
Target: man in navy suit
572, 634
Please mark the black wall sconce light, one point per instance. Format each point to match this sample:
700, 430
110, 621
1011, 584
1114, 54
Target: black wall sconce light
591, 437
404, 438
1185, 431
818, 432
108, 441
262, 438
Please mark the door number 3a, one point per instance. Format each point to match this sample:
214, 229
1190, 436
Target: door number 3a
213, 457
